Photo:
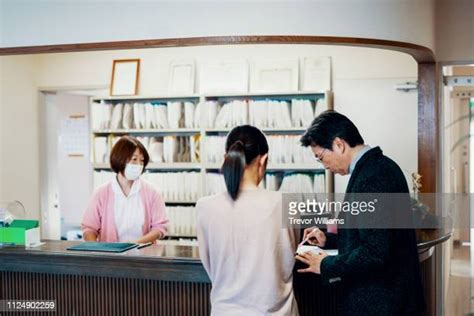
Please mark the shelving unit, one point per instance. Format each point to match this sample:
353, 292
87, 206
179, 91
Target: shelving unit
203, 167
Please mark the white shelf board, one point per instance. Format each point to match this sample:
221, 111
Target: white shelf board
288, 167
159, 166
147, 131
193, 130
213, 95
265, 130
263, 94
145, 97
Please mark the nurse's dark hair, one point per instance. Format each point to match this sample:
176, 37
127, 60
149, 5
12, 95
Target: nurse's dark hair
244, 143
329, 125
123, 151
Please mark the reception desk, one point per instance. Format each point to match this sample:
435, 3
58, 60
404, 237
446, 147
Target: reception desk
157, 280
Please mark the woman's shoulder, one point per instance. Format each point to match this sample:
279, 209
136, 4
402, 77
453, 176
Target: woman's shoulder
267, 195
213, 202
211, 199
260, 194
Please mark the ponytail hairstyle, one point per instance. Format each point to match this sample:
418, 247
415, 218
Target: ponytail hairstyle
244, 143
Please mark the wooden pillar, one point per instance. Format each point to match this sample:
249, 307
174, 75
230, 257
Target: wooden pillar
428, 120
428, 160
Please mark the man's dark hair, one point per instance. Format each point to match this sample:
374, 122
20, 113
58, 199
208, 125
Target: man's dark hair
329, 125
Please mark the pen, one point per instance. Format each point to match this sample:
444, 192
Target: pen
140, 246
307, 238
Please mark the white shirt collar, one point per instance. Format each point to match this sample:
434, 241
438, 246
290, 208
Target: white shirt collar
118, 190
359, 155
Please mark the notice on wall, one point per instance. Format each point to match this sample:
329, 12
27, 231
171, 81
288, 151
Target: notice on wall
74, 136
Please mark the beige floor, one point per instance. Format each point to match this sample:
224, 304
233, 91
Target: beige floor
460, 296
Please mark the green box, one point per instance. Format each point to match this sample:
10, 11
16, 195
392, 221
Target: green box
21, 232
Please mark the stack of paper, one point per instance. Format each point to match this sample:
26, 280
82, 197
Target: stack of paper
195, 148
302, 113
316, 250
155, 149
214, 149
139, 115
215, 183
287, 149
150, 116
117, 115
189, 109
272, 182
182, 221
205, 114
303, 183
100, 149
232, 114
101, 115
321, 106
127, 120
283, 149
319, 184
166, 149
178, 148
161, 116
176, 186
175, 114
297, 183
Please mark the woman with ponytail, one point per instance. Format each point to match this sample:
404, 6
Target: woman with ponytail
246, 252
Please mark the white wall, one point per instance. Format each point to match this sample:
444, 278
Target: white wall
445, 26
455, 30
32, 22
19, 131
363, 82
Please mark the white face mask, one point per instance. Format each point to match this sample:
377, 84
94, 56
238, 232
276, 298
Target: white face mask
133, 171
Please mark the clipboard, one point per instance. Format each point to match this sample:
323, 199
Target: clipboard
103, 246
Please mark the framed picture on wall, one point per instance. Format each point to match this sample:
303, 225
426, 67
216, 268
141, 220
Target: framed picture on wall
181, 77
227, 76
316, 74
125, 74
274, 76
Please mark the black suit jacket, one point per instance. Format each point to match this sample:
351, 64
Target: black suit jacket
378, 269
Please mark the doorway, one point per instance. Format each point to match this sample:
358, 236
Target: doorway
66, 172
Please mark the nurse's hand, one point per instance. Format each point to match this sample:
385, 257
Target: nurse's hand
314, 236
312, 260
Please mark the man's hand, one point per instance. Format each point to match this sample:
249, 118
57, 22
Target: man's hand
312, 260
316, 237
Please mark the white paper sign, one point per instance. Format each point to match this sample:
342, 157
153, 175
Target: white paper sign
74, 136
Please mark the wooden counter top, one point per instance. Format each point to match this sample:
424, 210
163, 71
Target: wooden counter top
157, 262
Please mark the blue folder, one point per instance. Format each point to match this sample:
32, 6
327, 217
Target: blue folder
103, 246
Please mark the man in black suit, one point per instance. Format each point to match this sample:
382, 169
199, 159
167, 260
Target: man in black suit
377, 268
